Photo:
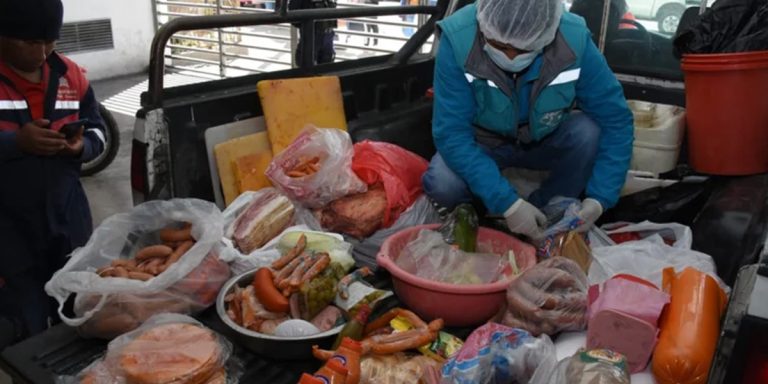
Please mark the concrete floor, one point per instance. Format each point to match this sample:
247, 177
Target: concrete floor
109, 191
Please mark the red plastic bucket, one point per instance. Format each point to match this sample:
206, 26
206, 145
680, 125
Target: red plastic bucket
727, 112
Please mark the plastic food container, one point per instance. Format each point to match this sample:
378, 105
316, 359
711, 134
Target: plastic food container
658, 134
283, 348
457, 305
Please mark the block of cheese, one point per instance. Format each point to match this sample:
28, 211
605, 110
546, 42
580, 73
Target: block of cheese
249, 171
229, 151
290, 104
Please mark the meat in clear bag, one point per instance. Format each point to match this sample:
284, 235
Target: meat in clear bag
330, 151
167, 348
108, 306
548, 298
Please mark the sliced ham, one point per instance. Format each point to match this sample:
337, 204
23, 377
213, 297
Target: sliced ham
625, 334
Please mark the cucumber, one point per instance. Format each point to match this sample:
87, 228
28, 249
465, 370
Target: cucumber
465, 228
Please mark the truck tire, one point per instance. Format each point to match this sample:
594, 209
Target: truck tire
112, 145
669, 18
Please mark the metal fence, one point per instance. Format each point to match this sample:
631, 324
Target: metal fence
239, 51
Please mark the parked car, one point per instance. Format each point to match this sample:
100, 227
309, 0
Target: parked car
666, 12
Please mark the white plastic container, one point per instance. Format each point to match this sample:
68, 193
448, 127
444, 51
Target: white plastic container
638, 181
658, 135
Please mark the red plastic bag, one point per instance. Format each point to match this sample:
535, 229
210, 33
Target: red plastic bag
398, 169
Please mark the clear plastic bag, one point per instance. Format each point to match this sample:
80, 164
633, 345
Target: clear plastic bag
398, 169
548, 298
364, 251
497, 354
106, 307
399, 368
562, 217
428, 256
333, 179
588, 367
167, 348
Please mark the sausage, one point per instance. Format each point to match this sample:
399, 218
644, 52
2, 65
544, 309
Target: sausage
169, 235
267, 293
121, 272
153, 251
139, 276
319, 265
292, 254
178, 253
286, 271
689, 329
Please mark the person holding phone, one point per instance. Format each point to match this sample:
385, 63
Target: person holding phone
49, 126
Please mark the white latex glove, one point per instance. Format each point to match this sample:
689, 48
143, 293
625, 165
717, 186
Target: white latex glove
525, 219
591, 210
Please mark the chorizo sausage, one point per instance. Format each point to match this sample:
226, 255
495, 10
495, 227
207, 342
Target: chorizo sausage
267, 293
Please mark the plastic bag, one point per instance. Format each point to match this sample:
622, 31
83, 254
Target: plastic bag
647, 259
428, 256
588, 367
548, 298
562, 216
676, 235
398, 169
167, 348
399, 368
730, 26
106, 307
333, 179
496, 354
364, 251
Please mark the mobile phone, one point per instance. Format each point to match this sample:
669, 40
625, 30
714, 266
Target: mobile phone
70, 129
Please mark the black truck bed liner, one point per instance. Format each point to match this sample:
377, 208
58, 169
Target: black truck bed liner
60, 351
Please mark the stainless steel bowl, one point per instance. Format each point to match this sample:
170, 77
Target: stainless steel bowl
286, 348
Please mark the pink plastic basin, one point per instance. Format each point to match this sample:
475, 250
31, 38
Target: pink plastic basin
457, 305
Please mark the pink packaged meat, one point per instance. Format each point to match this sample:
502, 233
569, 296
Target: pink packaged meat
623, 317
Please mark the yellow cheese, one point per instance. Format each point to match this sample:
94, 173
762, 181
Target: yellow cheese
231, 150
290, 104
249, 172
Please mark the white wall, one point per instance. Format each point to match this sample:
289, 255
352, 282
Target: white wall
132, 29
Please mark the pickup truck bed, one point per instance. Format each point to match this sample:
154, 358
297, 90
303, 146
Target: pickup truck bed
60, 351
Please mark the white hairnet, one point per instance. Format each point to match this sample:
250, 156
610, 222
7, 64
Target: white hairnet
524, 24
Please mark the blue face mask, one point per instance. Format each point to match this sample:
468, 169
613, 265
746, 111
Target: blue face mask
518, 64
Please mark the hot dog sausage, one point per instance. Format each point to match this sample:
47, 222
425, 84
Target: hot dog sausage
267, 293
153, 251
169, 235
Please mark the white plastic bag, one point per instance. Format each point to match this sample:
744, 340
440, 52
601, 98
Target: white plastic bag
678, 234
340, 251
647, 259
106, 307
334, 178
144, 354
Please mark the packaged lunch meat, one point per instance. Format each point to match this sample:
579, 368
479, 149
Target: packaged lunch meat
548, 298
125, 273
167, 349
623, 317
316, 168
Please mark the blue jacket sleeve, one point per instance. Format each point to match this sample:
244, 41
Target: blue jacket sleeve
453, 113
94, 135
601, 97
9, 150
